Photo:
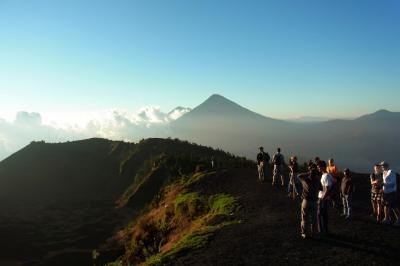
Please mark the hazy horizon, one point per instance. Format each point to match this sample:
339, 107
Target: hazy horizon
119, 69
116, 125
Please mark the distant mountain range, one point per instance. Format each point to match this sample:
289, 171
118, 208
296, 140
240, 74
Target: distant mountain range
309, 119
218, 122
355, 143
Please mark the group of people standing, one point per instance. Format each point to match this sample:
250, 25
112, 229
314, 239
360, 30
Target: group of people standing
323, 185
384, 198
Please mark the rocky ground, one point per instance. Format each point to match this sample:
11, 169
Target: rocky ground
269, 231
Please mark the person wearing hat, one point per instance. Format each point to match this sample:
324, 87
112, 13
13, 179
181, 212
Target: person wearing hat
389, 194
311, 185
262, 160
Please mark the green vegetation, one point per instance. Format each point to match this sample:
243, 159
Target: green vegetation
135, 175
178, 224
222, 204
192, 241
219, 204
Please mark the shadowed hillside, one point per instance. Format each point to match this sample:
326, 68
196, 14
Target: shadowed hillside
66, 171
61, 201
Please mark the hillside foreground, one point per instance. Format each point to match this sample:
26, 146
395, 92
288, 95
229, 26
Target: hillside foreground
267, 230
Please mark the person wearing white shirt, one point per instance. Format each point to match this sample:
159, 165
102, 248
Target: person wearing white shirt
389, 194
324, 194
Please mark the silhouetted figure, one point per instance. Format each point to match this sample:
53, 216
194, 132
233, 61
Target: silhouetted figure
294, 169
346, 191
262, 161
326, 182
311, 186
376, 192
278, 161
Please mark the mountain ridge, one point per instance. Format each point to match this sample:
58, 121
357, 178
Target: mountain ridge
355, 143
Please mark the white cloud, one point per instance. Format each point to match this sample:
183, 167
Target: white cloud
178, 112
60, 127
28, 119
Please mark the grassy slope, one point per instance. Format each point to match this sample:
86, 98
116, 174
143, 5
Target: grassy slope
91, 173
185, 219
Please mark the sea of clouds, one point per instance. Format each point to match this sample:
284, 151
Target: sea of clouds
110, 124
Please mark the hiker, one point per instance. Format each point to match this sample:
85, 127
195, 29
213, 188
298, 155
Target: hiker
323, 198
389, 194
376, 192
311, 186
346, 191
262, 161
278, 161
294, 168
212, 162
334, 171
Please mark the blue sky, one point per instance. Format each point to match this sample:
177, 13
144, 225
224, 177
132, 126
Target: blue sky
284, 59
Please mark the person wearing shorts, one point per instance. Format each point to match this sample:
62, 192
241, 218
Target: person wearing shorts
389, 194
376, 192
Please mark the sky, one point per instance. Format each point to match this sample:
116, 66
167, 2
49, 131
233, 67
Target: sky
73, 61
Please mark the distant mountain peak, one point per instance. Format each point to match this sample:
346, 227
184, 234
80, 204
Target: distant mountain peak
381, 114
217, 107
382, 111
216, 98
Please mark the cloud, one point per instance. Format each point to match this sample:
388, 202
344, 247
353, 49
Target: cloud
111, 124
178, 112
28, 119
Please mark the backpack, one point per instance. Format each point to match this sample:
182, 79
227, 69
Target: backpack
263, 157
266, 157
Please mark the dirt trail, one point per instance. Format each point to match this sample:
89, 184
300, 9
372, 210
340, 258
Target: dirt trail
269, 232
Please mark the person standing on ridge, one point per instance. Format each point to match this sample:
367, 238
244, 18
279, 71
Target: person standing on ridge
326, 182
334, 171
294, 169
346, 191
310, 182
389, 194
278, 161
262, 161
376, 192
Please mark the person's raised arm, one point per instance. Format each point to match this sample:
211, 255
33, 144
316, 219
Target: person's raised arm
303, 176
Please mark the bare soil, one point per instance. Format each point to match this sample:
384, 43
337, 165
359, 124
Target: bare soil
269, 232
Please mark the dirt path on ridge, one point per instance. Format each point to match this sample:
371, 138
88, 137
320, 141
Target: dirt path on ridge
269, 232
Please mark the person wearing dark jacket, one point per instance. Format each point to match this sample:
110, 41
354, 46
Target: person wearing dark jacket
346, 191
310, 182
278, 161
262, 161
